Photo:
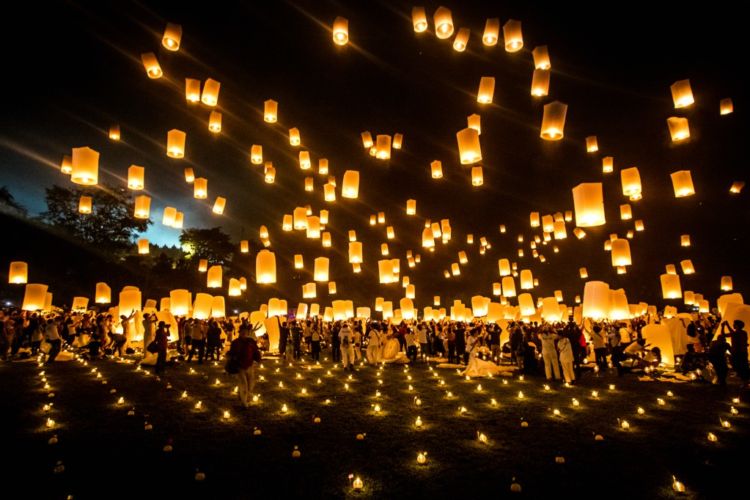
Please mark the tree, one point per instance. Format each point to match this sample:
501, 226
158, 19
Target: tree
111, 226
212, 244
9, 203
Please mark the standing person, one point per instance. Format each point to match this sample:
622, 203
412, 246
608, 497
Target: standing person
451, 337
283, 339
423, 342
245, 350
161, 337
149, 329
739, 349
52, 335
357, 342
599, 339
495, 342
460, 339
315, 342
374, 348
615, 345
213, 341
35, 333
347, 347
335, 343
516, 345
411, 346
549, 353
297, 340
717, 355
198, 342
566, 359
120, 339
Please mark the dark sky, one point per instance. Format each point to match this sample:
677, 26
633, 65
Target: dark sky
76, 70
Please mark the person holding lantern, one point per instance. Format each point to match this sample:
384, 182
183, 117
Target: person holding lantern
549, 353
739, 349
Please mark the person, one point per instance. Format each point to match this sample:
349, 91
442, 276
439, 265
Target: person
161, 337
245, 350
495, 342
315, 342
374, 350
423, 341
566, 359
335, 343
451, 340
213, 341
516, 345
198, 341
411, 346
52, 335
739, 349
120, 339
717, 355
347, 347
549, 354
599, 340
460, 339
296, 340
149, 329
616, 348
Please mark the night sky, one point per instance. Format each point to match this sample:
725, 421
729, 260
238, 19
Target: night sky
77, 71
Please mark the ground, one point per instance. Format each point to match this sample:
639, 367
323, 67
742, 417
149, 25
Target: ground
108, 453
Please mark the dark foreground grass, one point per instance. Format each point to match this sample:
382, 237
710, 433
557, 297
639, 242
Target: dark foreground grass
110, 454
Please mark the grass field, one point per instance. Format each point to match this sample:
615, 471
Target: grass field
108, 453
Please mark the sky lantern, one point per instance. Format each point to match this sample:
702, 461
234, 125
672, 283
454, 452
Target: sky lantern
202, 306
526, 304
679, 129
309, 290
172, 37
541, 57
304, 160
428, 238
736, 187
270, 111
269, 173
294, 137
398, 140
309, 184
469, 239
486, 90
130, 300
411, 207
384, 249
509, 286
103, 293
136, 177
323, 166
350, 184
189, 175
219, 205
588, 200
179, 219
477, 176
504, 267
443, 23
639, 225
176, 143
214, 277
455, 269
153, 70
583, 273
383, 147
202, 265
527, 280
256, 154
726, 283
551, 310
419, 19
390, 233
474, 121
596, 300
210, 95
300, 218
192, 90
301, 310
180, 302
367, 142
265, 267
462, 257
320, 271
244, 246
726, 107
340, 31
200, 188
553, 121
592, 144
496, 289
18, 273
331, 288
618, 308
547, 223
608, 165
670, 286
385, 271
513, 35
143, 246
687, 266
114, 132
540, 82
682, 94
631, 183
436, 169
299, 261
689, 297
670, 269
560, 230
491, 32
234, 289
352, 235
534, 219
66, 166
313, 227
682, 182
85, 166
85, 205
461, 40
621, 253
468, 146
355, 252
214, 122
411, 291
685, 240
263, 232
626, 212
287, 222
34, 297
329, 192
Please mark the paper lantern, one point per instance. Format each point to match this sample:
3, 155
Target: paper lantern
670, 269
313, 227
179, 302
436, 169
541, 57
679, 129
621, 253
477, 177
114, 132
682, 94
491, 32
172, 37
214, 122
309, 290
270, 111
726, 107
18, 274
218, 307
214, 277
153, 70
383, 147
265, 267
189, 175
385, 271
202, 306
419, 19
526, 304
726, 283
256, 154
588, 200
384, 249
301, 311
685, 240
428, 239
300, 218
540, 82
304, 160
468, 146
309, 184
210, 95
269, 173
547, 223
461, 40
670, 286
553, 121
66, 167
85, 166
350, 184
682, 182
513, 35
176, 143
143, 246
596, 300
103, 293
618, 308
234, 289
192, 90
219, 205
626, 212
294, 137
325, 239
130, 300
687, 266
504, 267
34, 297
560, 231
592, 144
340, 31
85, 205
136, 177
551, 310
366, 139
527, 280
639, 226
179, 218
736, 187
443, 23
486, 90
320, 272
509, 286
398, 141
200, 188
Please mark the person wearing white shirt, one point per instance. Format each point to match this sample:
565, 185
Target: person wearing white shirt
346, 337
549, 353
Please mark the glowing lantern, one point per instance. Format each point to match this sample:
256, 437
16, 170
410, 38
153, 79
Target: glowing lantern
324, 217
618, 308
269, 173
621, 253
513, 35
300, 218
350, 184
320, 272
682, 94
85, 166
670, 269
596, 300
682, 182
309, 184
588, 201
428, 239
547, 223
527, 280
85, 205
491, 32
384, 249
670, 286
592, 144
455, 269
214, 277
143, 247
214, 122
172, 36
626, 213
66, 167
639, 226
540, 82
287, 223
265, 267
477, 177
18, 273
419, 19
407, 308
541, 57
486, 90
103, 293
202, 306
340, 31
331, 288
210, 95
366, 139
114, 132
560, 231
270, 111
136, 177
385, 271
509, 287
234, 289
504, 267
436, 169
294, 137
153, 70
130, 300
256, 154
462, 38
526, 304
736, 187
326, 239
726, 107
398, 141
383, 147
553, 121
443, 23
468, 146
219, 205
304, 160
176, 143
192, 90
687, 266
189, 175
726, 283
200, 188
313, 227
678, 128
34, 297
